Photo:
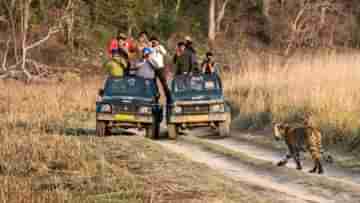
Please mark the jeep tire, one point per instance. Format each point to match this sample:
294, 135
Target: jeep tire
224, 127
101, 128
172, 131
108, 131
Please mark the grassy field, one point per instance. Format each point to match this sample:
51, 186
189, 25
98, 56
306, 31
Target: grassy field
326, 86
30, 117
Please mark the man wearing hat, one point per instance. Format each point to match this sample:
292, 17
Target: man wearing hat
191, 51
145, 65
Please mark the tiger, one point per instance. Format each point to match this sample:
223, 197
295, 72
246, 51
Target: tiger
298, 137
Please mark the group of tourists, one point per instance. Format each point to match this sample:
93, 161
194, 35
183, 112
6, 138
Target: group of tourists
145, 57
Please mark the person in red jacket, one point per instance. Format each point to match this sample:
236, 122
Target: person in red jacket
120, 42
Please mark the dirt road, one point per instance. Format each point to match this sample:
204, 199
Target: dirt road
247, 162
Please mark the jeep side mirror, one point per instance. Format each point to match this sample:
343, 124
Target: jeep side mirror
101, 92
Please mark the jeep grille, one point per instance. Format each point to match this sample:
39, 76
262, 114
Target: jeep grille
124, 108
194, 109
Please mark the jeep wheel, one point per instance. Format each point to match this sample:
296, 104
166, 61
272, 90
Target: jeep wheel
108, 131
153, 131
224, 127
100, 128
172, 131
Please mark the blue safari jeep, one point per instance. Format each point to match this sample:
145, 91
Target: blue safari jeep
128, 102
198, 101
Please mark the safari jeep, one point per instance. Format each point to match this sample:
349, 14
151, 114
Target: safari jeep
128, 102
198, 101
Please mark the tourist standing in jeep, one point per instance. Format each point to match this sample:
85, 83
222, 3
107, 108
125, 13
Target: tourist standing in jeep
117, 65
208, 65
144, 66
158, 58
191, 51
183, 60
141, 43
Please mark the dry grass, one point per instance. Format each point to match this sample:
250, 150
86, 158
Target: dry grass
326, 86
28, 113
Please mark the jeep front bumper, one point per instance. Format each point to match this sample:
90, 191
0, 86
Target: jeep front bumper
127, 118
204, 118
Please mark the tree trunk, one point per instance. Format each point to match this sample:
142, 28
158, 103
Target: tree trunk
177, 9
25, 15
11, 10
212, 21
221, 15
266, 7
69, 21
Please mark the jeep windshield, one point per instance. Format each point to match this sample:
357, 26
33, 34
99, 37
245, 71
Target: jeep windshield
130, 87
199, 84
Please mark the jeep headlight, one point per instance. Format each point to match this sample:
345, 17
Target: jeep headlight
145, 110
105, 108
217, 108
177, 109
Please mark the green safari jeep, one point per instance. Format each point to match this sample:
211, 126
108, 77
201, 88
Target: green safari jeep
128, 102
198, 101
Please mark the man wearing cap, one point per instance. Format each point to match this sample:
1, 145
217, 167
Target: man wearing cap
191, 51
145, 65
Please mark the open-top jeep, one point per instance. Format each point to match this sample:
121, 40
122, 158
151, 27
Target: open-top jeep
128, 102
198, 101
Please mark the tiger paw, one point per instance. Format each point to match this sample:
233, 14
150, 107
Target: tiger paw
312, 170
281, 163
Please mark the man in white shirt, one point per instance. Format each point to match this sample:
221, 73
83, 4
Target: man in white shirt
158, 58
159, 52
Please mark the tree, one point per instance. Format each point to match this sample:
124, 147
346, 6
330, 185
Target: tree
215, 18
11, 19
19, 15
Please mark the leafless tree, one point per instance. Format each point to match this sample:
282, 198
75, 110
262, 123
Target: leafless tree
216, 14
25, 10
10, 7
309, 22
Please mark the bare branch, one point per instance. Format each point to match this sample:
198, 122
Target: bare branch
298, 18
3, 19
5, 75
38, 43
221, 15
4, 63
14, 66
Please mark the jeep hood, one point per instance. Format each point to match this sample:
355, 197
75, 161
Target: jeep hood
126, 99
197, 96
